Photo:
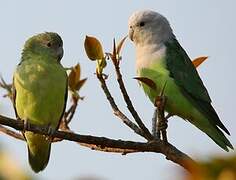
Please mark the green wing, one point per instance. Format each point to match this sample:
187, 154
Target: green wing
14, 100
65, 101
187, 78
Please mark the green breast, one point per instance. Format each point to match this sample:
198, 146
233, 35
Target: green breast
40, 91
176, 102
158, 73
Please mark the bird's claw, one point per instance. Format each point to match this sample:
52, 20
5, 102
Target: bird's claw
168, 116
25, 125
50, 131
161, 129
162, 125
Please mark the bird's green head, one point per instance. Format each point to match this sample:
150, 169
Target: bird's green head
48, 44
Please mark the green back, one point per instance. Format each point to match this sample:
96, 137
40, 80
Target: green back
186, 77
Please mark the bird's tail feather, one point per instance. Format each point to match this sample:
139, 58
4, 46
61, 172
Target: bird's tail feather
214, 133
38, 151
219, 138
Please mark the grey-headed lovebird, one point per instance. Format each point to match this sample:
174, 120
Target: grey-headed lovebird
160, 58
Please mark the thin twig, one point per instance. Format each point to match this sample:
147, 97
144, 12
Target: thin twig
126, 96
116, 110
154, 124
108, 149
69, 114
7, 87
171, 152
19, 136
130, 105
11, 133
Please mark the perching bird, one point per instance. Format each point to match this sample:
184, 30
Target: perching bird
40, 92
160, 58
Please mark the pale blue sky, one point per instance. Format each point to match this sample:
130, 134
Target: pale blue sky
202, 27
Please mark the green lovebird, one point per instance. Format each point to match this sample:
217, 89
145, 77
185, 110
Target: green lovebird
40, 92
160, 57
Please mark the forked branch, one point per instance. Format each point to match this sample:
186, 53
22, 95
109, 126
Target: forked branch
106, 144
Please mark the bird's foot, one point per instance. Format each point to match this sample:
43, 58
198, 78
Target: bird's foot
51, 132
161, 129
162, 125
25, 124
168, 116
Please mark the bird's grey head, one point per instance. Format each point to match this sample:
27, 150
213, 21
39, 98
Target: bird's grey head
149, 27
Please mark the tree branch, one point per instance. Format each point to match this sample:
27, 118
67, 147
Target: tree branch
127, 99
116, 110
11, 133
19, 136
154, 124
106, 144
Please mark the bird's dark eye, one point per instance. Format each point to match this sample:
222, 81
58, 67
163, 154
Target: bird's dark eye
141, 24
49, 44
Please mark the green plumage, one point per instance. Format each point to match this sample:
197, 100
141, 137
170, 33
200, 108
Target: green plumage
40, 84
186, 95
160, 58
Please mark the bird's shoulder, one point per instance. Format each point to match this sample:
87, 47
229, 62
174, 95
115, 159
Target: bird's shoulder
183, 71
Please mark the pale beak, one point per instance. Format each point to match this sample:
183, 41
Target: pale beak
131, 33
59, 53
